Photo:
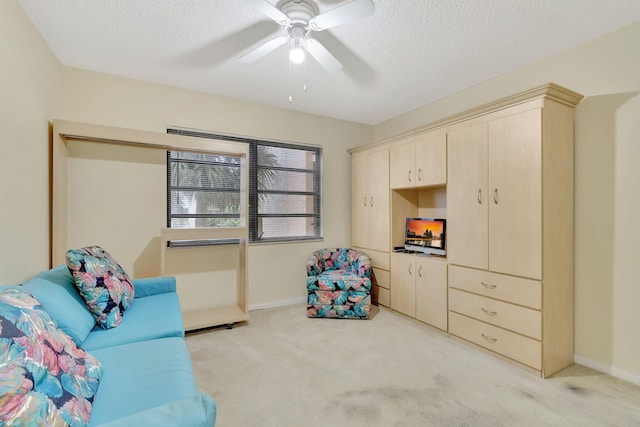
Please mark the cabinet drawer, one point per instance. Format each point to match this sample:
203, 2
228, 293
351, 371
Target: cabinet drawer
381, 296
381, 278
517, 290
378, 259
517, 347
519, 319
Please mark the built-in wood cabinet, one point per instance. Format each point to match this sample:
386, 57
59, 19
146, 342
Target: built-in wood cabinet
370, 199
370, 227
431, 291
502, 176
419, 161
403, 280
420, 288
494, 190
510, 230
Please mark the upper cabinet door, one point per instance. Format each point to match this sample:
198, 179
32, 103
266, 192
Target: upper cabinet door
431, 159
403, 162
515, 185
467, 197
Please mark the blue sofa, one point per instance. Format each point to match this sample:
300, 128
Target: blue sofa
147, 378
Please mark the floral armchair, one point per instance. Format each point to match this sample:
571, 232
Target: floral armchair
339, 284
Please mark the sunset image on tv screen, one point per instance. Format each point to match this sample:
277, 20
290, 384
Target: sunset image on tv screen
424, 233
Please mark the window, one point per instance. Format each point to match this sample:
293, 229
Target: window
284, 189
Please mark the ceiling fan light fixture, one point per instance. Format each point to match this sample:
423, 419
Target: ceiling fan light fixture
297, 55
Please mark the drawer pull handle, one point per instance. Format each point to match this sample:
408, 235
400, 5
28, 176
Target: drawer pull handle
479, 196
487, 312
409, 175
488, 338
371, 201
365, 201
420, 271
420, 174
488, 285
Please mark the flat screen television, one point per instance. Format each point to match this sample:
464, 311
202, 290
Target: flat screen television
426, 235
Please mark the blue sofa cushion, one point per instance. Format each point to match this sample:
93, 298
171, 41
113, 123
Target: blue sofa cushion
44, 377
57, 293
142, 376
103, 284
154, 285
196, 411
155, 316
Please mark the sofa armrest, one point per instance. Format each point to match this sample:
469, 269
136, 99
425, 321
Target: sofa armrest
197, 411
154, 285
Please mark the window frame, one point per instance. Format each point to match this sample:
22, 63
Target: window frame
253, 216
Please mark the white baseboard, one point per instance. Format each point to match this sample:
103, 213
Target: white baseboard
280, 303
611, 370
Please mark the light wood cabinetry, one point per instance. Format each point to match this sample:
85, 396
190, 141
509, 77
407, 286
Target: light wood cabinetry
370, 199
510, 224
380, 276
370, 228
419, 161
419, 288
505, 172
495, 190
468, 217
403, 280
431, 291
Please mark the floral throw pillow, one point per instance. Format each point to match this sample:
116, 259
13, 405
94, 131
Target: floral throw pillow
45, 379
103, 284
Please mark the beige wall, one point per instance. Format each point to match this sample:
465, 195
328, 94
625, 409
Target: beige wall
29, 76
607, 149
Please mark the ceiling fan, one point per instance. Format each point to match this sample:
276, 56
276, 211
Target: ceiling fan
299, 19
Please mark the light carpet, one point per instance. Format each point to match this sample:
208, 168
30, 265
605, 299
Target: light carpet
281, 369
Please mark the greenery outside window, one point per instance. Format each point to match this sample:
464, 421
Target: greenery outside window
284, 189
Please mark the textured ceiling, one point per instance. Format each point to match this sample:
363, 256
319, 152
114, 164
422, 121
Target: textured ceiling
408, 54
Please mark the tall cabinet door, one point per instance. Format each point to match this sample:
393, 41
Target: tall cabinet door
378, 226
370, 200
359, 200
467, 197
515, 183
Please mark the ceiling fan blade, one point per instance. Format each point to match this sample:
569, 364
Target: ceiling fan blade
348, 12
270, 10
322, 55
263, 49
